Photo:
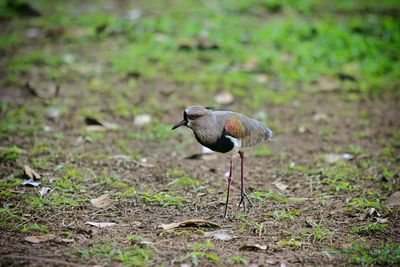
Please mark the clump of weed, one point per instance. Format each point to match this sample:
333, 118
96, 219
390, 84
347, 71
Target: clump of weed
291, 242
162, 198
370, 228
366, 254
273, 195
107, 252
10, 153
202, 251
284, 214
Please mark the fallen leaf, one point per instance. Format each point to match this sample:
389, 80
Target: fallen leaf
188, 223
346, 77
332, 158
134, 14
373, 212
95, 128
328, 83
101, 202
53, 113
382, 220
39, 238
31, 173
100, 224
42, 89
219, 235
394, 200
224, 98
321, 117
262, 78
32, 33
99, 125
347, 156
255, 247
142, 119
251, 63
31, 183
43, 191
201, 42
281, 186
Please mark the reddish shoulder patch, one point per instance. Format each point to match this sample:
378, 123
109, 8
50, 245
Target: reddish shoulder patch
235, 127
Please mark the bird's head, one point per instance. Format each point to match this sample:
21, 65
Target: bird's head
192, 116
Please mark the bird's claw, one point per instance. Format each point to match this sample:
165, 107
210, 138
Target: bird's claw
243, 195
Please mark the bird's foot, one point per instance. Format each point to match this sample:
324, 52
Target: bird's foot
243, 195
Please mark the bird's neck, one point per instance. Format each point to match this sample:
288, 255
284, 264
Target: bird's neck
208, 132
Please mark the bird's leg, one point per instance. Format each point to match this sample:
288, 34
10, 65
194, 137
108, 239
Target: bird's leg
242, 191
229, 189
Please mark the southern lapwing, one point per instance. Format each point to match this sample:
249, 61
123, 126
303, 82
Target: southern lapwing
224, 131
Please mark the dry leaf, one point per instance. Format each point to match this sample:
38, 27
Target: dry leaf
262, 78
100, 224
255, 247
281, 186
188, 223
321, 117
142, 119
201, 42
39, 238
224, 98
347, 156
44, 190
134, 14
53, 113
101, 202
382, 220
328, 83
251, 63
31, 173
99, 125
95, 128
332, 158
31, 183
394, 200
219, 235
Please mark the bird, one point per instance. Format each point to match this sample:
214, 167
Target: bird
226, 131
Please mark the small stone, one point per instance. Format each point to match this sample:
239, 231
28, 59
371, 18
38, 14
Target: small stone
142, 119
224, 98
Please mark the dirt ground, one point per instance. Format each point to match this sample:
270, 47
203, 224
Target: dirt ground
320, 191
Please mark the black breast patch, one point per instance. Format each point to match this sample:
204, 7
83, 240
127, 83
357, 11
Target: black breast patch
222, 145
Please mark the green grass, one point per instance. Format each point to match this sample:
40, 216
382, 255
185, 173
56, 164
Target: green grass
294, 243
321, 232
200, 251
370, 228
10, 153
186, 182
162, 198
275, 196
285, 214
109, 252
368, 254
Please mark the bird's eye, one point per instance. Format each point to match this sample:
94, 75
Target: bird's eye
193, 116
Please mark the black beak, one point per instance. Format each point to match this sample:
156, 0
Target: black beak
179, 124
